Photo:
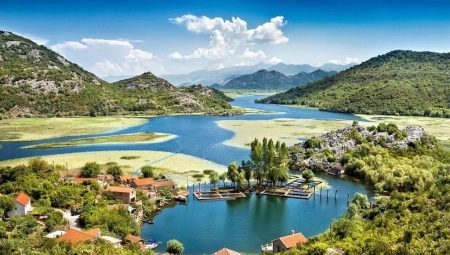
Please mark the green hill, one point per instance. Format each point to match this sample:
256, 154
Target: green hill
397, 83
273, 80
35, 81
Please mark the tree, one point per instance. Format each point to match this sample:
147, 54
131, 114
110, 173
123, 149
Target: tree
233, 173
90, 170
223, 178
307, 175
115, 171
147, 172
174, 247
248, 167
6, 205
213, 178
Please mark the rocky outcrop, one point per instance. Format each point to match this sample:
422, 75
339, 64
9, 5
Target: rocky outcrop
324, 152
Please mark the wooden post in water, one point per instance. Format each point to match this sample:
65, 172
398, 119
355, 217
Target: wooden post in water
314, 194
335, 194
348, 198
327, 193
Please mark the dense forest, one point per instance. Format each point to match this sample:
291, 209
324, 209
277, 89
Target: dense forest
397, 83
411, 212
35, 81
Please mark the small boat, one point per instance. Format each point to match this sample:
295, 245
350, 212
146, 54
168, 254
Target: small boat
151, 244
148, 221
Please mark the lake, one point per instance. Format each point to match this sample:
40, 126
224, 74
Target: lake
242, 225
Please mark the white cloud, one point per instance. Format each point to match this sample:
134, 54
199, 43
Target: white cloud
275, 60
228, 37
254, 54
106, 57
269, 31
345, 61
36, 39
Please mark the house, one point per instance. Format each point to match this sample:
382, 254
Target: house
145, 183
74, 236
288, 242
134, 240
126, 194
126, 179
22, 205
106, 178
226, 251
164, 183
55, 234
112, 240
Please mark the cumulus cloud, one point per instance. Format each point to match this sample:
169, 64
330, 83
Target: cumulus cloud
253, 54
345, 61
227, 38
275, 60
106, 57
38, 40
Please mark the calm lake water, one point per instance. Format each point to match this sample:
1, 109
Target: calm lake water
243, 225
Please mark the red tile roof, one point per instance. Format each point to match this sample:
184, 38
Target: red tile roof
133, 239
164, 183
117, 189
23, 199
226, 251
76, 236
143, 182
292, 240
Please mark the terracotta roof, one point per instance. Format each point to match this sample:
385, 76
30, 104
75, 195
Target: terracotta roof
23, 199
143, 182
117, 189
133, 239
164, 183
226, 251
292, 240
76, 236
126, 178
95, 232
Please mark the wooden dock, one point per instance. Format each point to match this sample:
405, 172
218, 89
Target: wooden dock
218, 196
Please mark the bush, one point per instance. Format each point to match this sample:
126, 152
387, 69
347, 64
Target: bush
147, 172
174, 247
115, 171
90, 170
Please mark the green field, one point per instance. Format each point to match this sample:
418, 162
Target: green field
145, 137
32, 129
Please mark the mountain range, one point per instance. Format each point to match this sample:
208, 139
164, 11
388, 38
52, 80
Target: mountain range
36, 81
224, 75
273, 80
400, 82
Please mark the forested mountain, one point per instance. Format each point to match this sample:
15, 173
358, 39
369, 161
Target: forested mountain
397, 83
274, 80
35, 81
224, 75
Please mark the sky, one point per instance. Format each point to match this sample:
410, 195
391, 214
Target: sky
124, 38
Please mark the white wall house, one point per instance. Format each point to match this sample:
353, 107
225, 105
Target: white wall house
22, 205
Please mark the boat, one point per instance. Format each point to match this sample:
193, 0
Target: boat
151, 244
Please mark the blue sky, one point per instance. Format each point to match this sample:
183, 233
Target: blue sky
128, 37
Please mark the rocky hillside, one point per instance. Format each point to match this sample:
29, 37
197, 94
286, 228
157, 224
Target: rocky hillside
396, 83
274, 80
328, 150
35, 81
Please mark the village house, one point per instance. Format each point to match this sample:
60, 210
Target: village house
106, 178
152, 184
126, 194
288, 242
135, 240
226, 251
22, 205
74, 236
145, 183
